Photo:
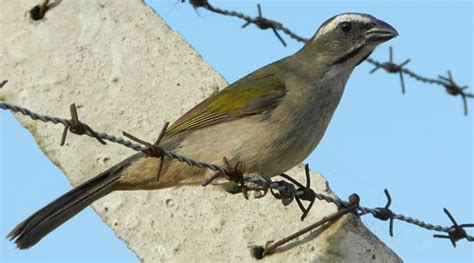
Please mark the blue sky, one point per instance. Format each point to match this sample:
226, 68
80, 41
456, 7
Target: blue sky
418, 145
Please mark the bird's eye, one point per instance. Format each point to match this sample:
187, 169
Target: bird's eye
346, 27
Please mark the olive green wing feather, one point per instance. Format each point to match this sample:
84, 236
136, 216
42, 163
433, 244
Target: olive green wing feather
254, 94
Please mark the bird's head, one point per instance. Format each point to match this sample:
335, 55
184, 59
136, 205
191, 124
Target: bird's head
349, 38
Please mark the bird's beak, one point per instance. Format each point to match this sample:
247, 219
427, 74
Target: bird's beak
380, 33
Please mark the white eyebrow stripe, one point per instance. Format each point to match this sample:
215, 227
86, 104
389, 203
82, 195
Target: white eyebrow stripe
341, 18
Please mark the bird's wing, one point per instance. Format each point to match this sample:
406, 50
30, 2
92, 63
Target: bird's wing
254, 94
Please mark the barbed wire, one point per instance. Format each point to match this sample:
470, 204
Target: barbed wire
389, 66
447, 82
285, 190
79, 128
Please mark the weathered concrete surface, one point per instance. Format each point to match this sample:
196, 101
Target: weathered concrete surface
126, 70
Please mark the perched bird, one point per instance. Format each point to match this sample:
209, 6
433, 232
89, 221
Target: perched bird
269, 121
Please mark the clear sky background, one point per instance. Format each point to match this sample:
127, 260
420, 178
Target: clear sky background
418, 145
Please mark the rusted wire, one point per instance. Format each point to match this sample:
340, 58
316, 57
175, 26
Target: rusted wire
152, 150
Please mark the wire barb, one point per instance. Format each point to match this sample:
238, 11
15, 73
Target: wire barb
391, 67
152, 150
384, 213
307, 194
453, 89
77, 127
456, 232
264, 23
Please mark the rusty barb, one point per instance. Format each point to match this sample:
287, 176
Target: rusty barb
286, 191
384, 213
390, 67
152, 150
77, 127
264, 23
456, 232
307, 194
453, 89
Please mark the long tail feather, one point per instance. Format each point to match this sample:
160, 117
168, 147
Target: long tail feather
48, 218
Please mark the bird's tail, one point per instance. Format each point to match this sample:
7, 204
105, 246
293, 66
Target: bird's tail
48, 218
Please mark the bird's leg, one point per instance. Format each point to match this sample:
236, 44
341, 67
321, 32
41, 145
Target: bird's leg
244, 183
235, 175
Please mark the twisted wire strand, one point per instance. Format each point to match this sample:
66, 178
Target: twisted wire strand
108, 137
229, 13
33, 115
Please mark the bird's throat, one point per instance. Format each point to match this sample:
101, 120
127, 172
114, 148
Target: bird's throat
348, 55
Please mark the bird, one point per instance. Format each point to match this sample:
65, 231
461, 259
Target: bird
268, 121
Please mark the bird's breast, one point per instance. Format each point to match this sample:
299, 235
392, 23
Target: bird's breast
306, 115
